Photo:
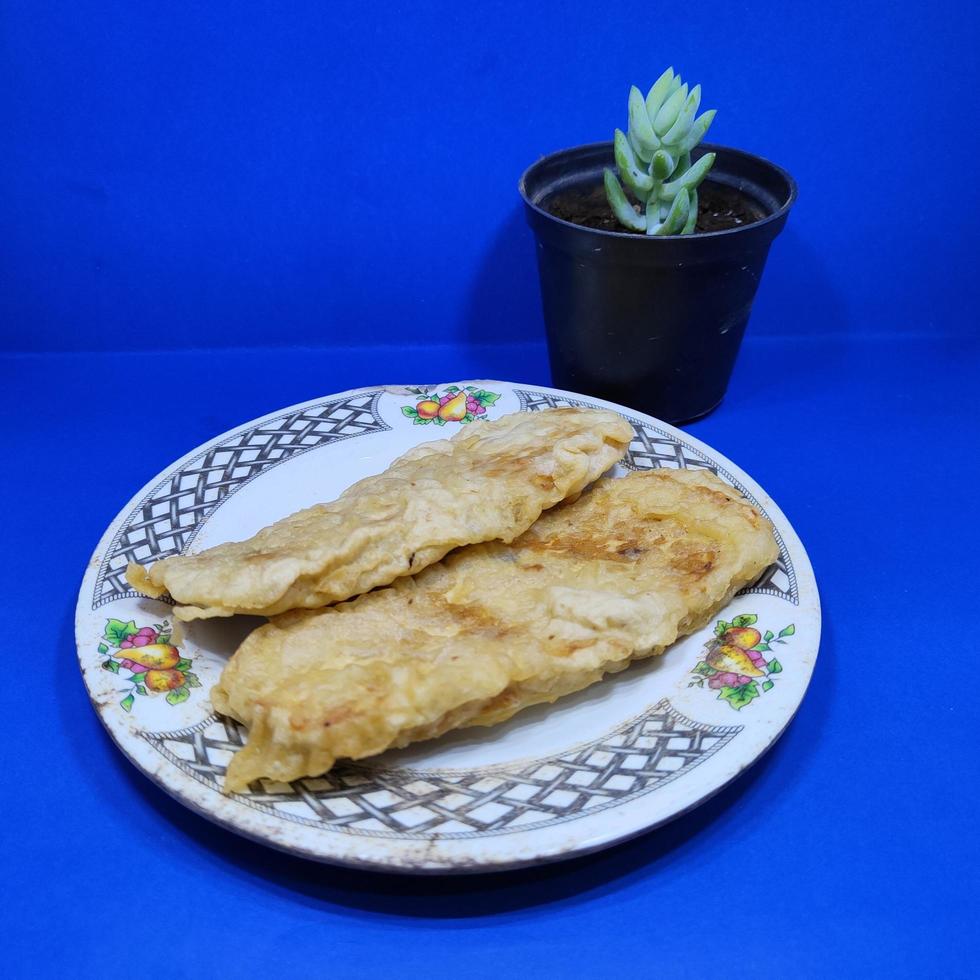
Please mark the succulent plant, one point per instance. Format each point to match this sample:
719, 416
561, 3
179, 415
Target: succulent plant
654, 160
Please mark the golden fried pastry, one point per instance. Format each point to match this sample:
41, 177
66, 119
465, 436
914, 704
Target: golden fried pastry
493, 628
491, 480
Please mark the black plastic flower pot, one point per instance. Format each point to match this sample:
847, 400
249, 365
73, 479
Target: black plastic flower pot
650, 322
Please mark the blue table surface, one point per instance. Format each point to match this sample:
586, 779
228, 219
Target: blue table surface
851, 849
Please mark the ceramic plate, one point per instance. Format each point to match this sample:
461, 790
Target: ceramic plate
617, 759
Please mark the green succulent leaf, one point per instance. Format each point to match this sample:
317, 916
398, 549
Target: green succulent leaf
642, 136
768, 635
684, 118
662, 165
697, 130
690, 180
633, 177
620, 205
669, 111
683, 163
768, 685
789, 631
653, 159
659, 91
676, 216
775, 667
655, 215
692, 214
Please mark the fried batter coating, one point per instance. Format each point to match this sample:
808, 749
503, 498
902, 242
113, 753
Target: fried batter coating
490, 481
592, 585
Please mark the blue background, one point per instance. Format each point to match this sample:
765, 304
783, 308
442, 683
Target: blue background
246, 174
210, 211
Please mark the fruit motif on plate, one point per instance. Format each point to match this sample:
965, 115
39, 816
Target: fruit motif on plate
734, 662
146, 658
453, 404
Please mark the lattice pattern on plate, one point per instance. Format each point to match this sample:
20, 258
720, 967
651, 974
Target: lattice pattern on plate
634, 759
169, 517
653, 448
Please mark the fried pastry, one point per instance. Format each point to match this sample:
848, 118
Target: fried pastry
490, 481
619, 574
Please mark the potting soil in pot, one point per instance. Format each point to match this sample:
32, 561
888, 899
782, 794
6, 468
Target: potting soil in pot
719, 208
